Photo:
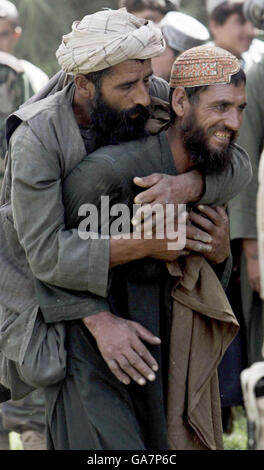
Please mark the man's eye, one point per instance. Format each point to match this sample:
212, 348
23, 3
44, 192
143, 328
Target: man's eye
126, 87
221, 108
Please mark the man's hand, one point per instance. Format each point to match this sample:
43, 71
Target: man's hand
166, 189
250, 247
214, 221
121, 344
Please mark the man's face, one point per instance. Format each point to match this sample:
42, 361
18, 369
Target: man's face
162, 65
119, 108
212, 125
235, 35
8, 36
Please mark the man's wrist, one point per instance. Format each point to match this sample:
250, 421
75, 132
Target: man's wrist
93, 321
193, 186
250, 248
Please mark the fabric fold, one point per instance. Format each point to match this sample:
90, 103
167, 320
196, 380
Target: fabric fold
203, 326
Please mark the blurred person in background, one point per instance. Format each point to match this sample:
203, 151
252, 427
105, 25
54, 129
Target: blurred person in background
232, 31
153, 10
19, 80
181, 32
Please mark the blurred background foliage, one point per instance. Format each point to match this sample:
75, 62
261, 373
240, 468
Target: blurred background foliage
45, 21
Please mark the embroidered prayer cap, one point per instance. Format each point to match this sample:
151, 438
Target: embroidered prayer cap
107, 38
203, 65
211, 5
182, 31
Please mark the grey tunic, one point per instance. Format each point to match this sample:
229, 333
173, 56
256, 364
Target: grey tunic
104, 414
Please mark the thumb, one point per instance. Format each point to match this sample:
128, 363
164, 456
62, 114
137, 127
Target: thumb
147, 181
146, 335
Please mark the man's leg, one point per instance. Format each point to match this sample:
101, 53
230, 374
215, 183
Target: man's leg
27, 418
90, 409
33, 440
4, 436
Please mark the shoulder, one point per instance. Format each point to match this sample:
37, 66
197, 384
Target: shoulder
36, 76
47, 108
239, 151
124, 151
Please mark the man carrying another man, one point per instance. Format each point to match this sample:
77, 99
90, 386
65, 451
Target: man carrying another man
70, 263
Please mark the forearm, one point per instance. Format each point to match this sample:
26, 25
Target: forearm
58, 304
250, 248
191, 187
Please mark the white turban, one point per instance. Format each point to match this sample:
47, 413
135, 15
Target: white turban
107, 38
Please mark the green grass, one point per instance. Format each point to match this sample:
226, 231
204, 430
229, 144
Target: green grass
237, 440
15, 442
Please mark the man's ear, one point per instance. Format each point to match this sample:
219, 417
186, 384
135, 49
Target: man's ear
17, 32
85, 87
180, 101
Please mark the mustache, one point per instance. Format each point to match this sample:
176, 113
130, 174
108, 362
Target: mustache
143, 112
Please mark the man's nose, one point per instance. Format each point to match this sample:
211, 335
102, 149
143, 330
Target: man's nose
142, 95
233, 120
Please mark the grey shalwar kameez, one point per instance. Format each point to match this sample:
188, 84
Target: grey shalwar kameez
43, 151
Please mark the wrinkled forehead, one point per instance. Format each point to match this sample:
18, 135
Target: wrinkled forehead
129, 67
224, 93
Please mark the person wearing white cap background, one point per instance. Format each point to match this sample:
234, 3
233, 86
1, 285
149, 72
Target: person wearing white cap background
232, 31
181, 32
153, 10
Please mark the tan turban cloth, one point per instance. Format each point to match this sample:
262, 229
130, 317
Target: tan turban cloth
203, 65
107, 38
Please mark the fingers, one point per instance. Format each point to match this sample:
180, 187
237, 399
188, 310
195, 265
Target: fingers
117, 371
136, 368
147, 181
150, 182
216, 215
202, 222
151, 216
135, 363
146, 335
195, 233
198, 247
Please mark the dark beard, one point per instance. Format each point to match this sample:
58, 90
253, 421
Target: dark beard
195, 141
112, 127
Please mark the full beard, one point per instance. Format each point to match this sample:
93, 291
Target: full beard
112, 127
196, 142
